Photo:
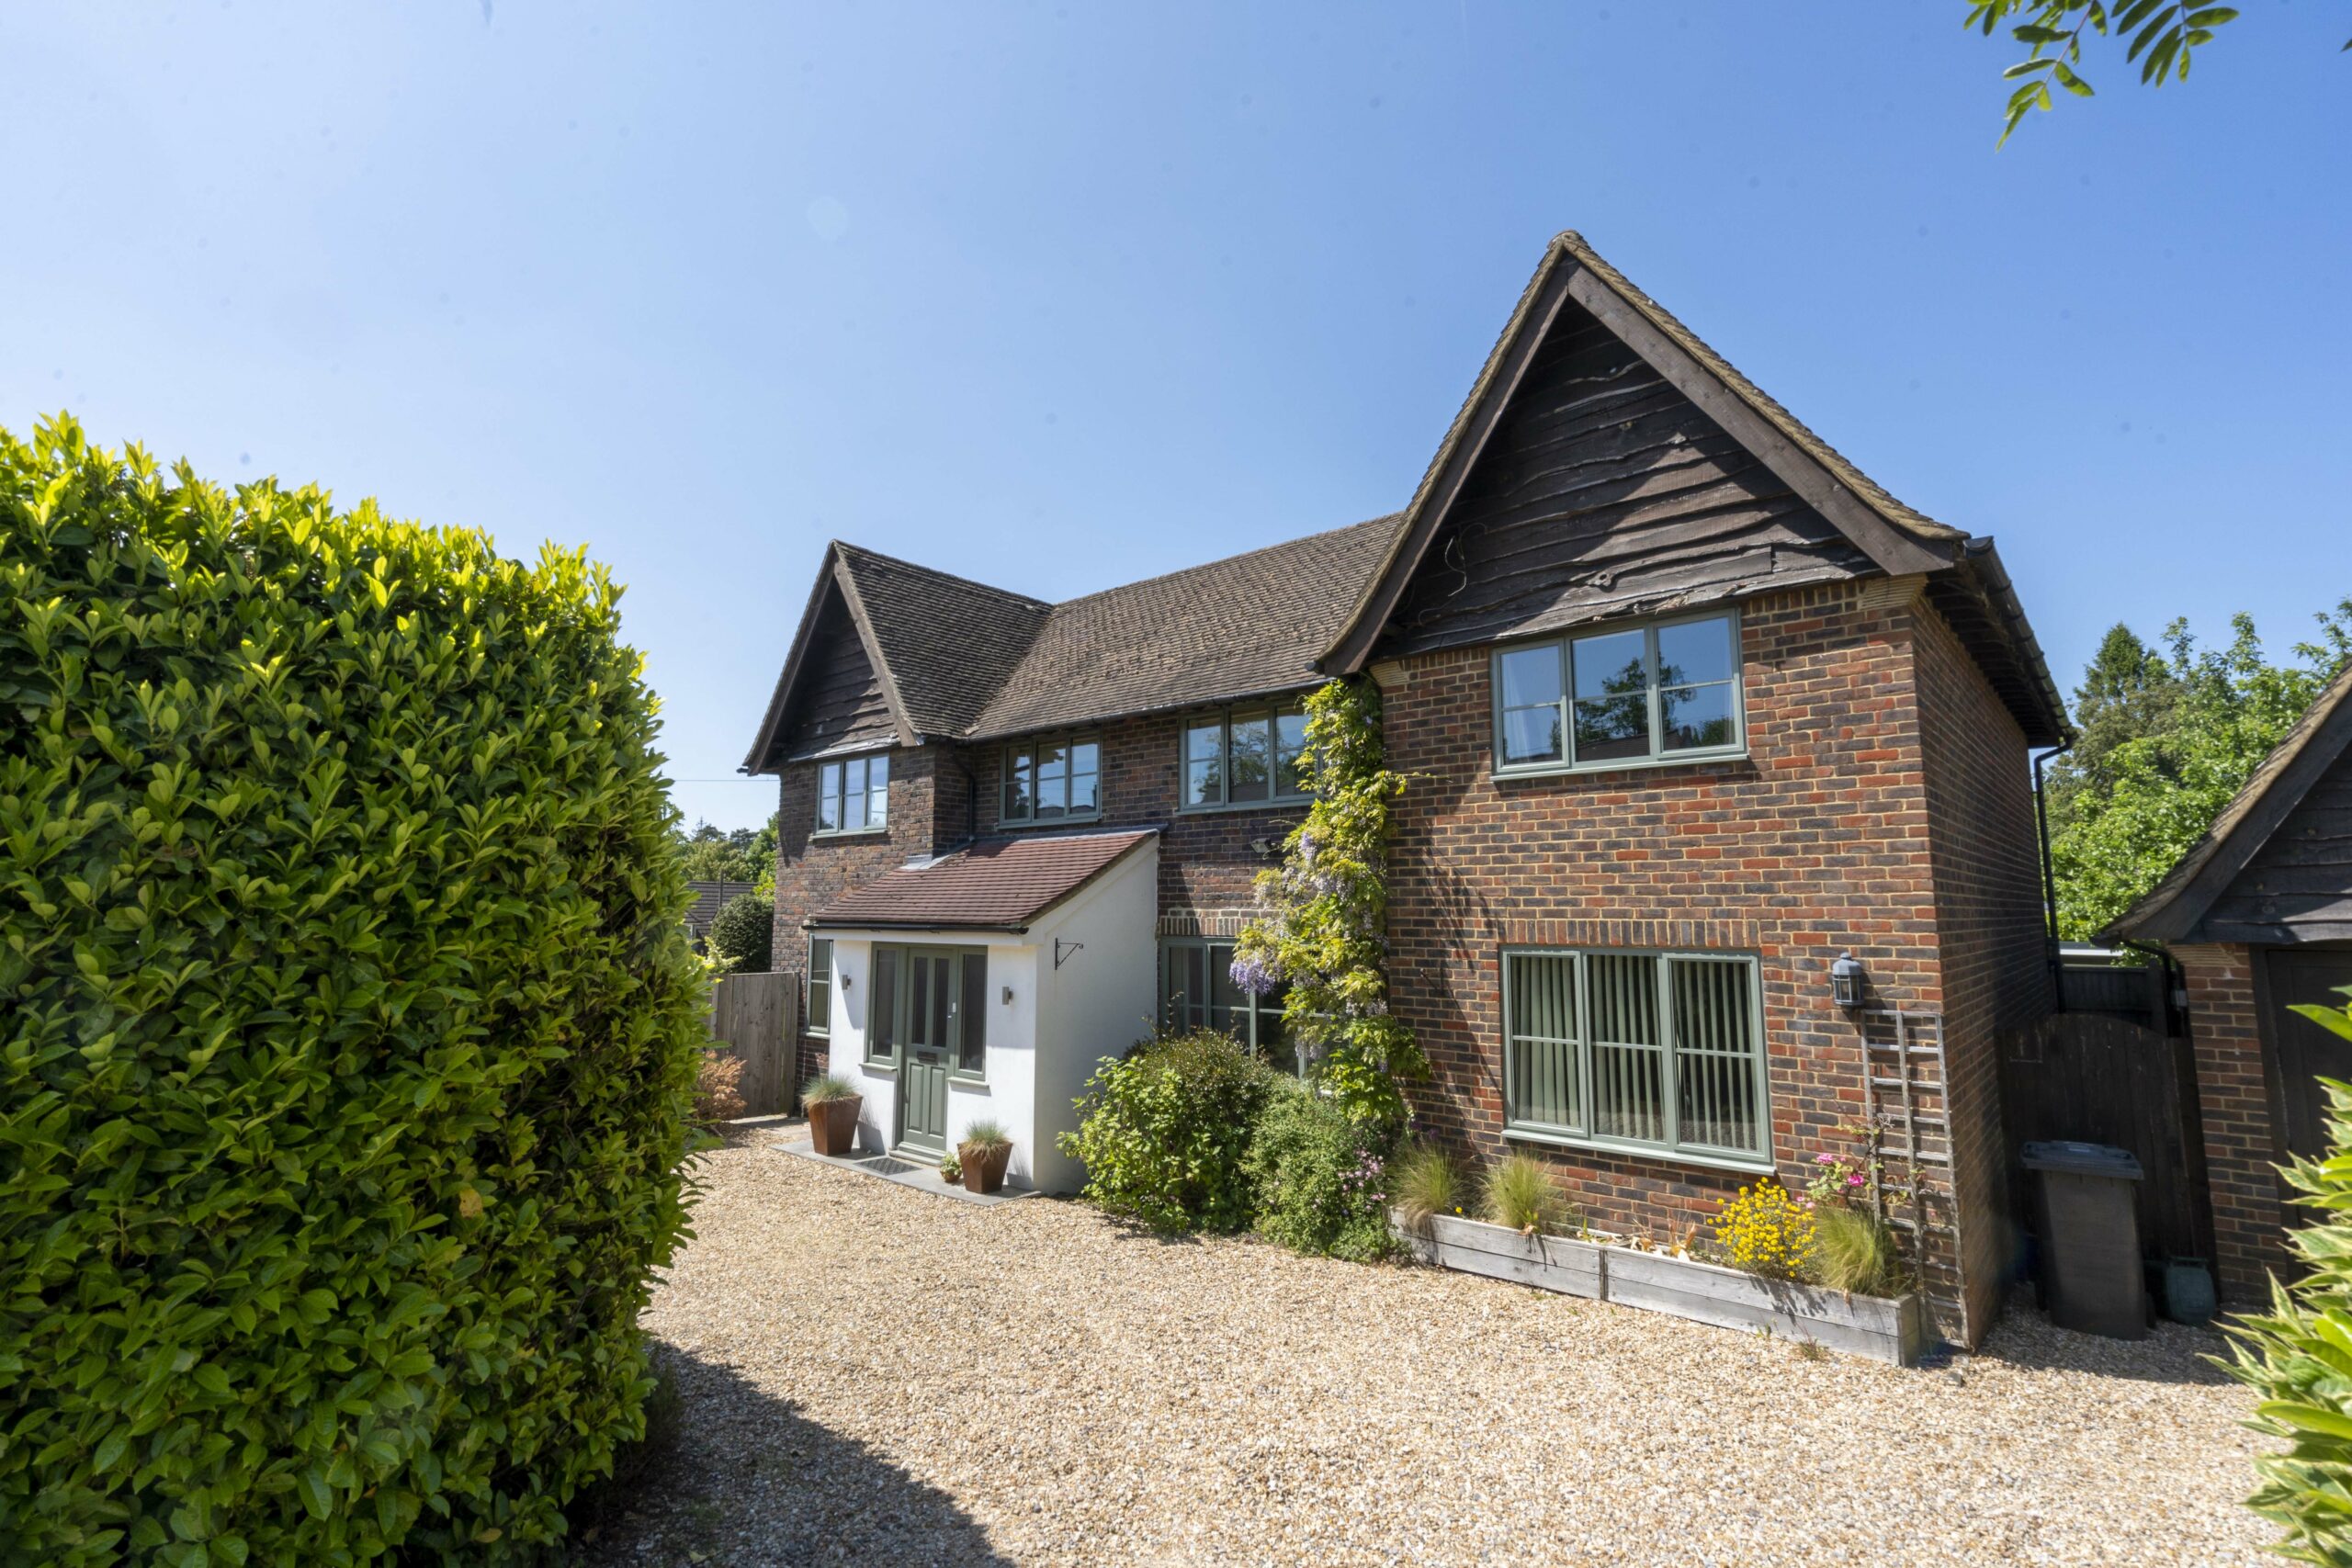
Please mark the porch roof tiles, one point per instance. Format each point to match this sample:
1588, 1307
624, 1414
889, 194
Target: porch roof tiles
993, 884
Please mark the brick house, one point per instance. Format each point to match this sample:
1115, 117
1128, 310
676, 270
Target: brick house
2258, 915
1690, 706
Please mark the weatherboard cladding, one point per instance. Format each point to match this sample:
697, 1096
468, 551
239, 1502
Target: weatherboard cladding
1605, 490
993, 884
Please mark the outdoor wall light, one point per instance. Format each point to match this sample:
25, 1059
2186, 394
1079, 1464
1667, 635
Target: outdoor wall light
1008, 995
1845, 980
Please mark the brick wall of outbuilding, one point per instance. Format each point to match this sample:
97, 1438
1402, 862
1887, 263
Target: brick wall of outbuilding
2241, 1144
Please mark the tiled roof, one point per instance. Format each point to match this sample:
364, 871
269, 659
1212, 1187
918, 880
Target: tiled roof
948, 643
1248, 625
709, 898
994, 884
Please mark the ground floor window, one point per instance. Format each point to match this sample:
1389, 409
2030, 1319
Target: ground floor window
820, 986
1197, 991
1651, 1051
930, 1008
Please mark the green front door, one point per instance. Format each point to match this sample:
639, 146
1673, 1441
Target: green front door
927, 1026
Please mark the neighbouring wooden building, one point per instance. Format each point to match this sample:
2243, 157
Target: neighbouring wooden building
1690, 705
2259, 914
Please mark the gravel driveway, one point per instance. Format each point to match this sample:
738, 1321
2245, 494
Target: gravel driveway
877, 1375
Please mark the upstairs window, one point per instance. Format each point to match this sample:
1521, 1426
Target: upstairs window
1623, 697
853, 796
1053, 781
1244, 756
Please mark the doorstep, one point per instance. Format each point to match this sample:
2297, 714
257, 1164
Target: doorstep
922, 1175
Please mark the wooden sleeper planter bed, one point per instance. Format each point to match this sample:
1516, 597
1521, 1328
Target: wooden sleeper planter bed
1885, 1329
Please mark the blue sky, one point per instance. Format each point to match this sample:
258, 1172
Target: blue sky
1059, 295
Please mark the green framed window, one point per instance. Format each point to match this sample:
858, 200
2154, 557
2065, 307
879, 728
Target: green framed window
1243, 756
1197, 991
1664, 690
1653, 1052
818, 1002
1054, 779
854, 794
930, 999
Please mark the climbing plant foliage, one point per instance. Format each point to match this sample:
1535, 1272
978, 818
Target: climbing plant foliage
1323, 913
2298, 1356
347, 1025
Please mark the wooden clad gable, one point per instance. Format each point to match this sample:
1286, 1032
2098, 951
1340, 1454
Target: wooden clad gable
837, 704
1605, 489
2297, 885
2276, 867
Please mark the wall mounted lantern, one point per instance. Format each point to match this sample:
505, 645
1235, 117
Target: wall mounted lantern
1846, 981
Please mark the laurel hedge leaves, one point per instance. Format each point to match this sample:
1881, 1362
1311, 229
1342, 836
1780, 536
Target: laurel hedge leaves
347, 1025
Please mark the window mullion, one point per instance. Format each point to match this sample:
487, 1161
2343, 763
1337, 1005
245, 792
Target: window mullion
1657, 702
1670, 1079
1585, 1116
1567, 709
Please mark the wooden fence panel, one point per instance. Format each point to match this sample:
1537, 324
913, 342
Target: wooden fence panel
2103, 1079
753, 1016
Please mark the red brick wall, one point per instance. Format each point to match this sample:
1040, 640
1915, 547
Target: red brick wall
1991, 936
2242, 1145
1206, 863
1821, 840
927, 785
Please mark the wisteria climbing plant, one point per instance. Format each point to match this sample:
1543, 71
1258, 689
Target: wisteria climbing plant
1321, 926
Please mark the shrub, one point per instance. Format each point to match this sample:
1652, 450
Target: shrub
1766, 1232
826, 1088
744, 933
1425, 1180
1318, 1175
1521, 1193
718, 1089
2298, 1355
985, 1136
1162, 1131
347, 1025
1854, 1249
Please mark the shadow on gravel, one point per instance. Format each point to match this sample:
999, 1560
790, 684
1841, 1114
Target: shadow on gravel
2026, 1337
744, 1478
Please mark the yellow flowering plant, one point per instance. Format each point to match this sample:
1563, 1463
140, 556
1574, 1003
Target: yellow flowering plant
1765, 1231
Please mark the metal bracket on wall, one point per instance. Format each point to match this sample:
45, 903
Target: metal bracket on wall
1059, 944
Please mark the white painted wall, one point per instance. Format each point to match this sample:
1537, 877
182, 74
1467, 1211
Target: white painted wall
1046, 1040
1099, 1002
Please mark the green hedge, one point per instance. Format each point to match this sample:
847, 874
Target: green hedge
347, 1025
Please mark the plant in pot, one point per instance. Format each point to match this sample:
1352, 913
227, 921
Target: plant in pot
984, 1153
832, 1106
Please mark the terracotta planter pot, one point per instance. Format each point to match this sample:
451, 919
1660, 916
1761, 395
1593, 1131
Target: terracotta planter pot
984, 1172
832, 1126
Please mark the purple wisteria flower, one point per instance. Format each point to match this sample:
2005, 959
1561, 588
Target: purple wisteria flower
1257, 977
